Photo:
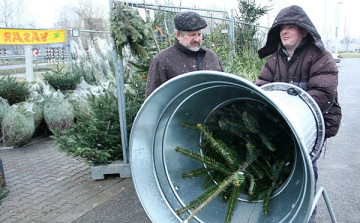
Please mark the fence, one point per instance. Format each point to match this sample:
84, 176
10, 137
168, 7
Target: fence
131, 81
217, 20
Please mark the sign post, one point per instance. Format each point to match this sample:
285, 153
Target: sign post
29, 65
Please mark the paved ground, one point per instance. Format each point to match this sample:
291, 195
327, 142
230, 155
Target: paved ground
340, 168
48, 186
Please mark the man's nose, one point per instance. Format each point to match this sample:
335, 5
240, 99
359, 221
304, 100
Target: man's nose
284, 30
197, 38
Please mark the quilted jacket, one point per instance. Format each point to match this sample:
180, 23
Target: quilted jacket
311, 67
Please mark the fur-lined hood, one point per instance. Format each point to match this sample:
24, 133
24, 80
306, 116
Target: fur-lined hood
290, 15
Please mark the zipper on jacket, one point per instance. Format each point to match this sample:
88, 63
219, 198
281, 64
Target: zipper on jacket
288, 63
199, 60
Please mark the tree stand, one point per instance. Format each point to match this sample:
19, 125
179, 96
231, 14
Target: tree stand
2, 173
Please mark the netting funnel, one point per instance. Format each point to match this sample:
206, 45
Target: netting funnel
157, 130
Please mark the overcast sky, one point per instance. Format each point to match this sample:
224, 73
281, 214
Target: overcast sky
321, 12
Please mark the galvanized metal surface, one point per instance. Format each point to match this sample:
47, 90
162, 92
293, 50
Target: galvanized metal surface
157, 168
301, 110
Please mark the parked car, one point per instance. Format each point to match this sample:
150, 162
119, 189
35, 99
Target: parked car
336, 57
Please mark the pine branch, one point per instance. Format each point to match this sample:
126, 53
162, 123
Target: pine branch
250, 122
250, 150
235, 111
219, 146
267, 142
242, 155
211, 163
222, 186
248, 163
266, 201
265, 170
252, 184
237, 179
257, 173
276, 173
232, 203
235, 128
188, 125
208, 181
195, 173
196, 202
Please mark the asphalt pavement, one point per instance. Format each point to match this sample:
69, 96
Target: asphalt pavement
339, 167
48, 186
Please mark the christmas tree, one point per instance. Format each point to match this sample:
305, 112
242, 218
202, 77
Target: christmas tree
246, 148
94, 136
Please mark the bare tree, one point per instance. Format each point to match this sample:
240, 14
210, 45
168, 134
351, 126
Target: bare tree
12, 14
92, 17
327, 38
347, 41
67, 19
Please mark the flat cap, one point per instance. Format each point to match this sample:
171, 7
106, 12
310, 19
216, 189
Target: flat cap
189, 21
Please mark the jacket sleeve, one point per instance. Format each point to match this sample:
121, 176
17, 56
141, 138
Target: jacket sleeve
221, 68
265, 76
323, 81
157, 76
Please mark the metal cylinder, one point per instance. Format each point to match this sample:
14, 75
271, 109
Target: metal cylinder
157, 130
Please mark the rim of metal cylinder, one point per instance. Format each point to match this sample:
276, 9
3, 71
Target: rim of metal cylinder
313, 107
153, 165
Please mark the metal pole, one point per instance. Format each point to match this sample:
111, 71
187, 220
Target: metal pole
337, 26
320, 192
324, 36
29, 65
120, 98
204, 16
232, 36
2, 173
345, 27
140, 5
68, 50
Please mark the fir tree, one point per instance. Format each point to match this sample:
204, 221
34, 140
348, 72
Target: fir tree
128, 29
95, 137
241, 155
14, 91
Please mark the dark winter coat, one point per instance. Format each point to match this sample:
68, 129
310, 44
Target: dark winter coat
311, 67
176, 60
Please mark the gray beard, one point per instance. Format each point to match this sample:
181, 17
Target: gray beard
194, 49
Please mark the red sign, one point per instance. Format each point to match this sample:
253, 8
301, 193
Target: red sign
35, 52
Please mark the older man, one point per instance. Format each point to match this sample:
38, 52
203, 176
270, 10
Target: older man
298, 56
185, 55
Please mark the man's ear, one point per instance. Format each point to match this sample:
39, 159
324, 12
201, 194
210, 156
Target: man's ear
177, 34
305, 32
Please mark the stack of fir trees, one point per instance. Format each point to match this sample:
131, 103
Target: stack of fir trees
246, 148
